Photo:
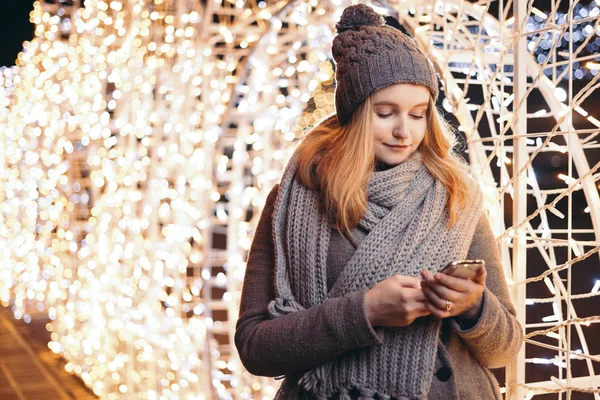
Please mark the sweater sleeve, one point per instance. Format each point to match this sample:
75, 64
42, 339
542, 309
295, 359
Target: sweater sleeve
497, 336
297, 341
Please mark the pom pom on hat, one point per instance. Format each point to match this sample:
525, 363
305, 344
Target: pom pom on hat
358, 15
370, 56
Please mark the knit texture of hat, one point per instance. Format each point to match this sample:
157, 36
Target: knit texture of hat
370, 56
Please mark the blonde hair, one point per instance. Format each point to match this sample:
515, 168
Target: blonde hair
337, 161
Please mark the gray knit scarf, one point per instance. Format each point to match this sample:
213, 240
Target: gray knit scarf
407, 224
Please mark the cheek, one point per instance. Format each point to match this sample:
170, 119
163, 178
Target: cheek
419, 130
379, 130
419, 125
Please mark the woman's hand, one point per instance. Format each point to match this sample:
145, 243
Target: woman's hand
465, 295
396, 301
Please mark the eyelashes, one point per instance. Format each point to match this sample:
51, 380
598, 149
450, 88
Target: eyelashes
380, 115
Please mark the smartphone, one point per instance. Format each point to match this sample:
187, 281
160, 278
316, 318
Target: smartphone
464, 268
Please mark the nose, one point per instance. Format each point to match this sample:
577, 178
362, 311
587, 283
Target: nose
400, 130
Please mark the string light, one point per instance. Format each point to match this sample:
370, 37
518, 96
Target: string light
139, 147
583, 34
117, 209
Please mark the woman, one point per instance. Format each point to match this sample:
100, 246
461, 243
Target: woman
338, 297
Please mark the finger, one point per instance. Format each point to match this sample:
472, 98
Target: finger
444, 292
428, 279
420, 309
420, 306
480, 276
411, 294
408, 281
424, 312
437, 311
454, 283
435, 299
426, 275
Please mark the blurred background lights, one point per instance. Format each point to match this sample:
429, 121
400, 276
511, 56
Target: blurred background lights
141, 138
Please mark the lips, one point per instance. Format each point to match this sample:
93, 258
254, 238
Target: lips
397, 146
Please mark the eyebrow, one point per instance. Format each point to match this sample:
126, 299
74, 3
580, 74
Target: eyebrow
390, 103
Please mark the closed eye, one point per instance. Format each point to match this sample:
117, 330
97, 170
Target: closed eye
413, 116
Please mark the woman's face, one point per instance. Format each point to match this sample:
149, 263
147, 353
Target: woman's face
399, 121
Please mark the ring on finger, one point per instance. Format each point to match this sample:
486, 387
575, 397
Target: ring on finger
448, 305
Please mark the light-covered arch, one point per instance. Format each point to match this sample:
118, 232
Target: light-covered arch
463, 36
139, 141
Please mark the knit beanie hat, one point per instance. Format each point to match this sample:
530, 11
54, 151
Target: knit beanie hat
370, 56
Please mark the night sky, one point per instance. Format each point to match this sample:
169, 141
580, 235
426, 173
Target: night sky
15, 28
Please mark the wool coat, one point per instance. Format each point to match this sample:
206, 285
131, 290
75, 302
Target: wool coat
294, 343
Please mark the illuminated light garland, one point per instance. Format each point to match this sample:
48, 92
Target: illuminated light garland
140, 141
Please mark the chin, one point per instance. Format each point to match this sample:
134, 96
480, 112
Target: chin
394, 161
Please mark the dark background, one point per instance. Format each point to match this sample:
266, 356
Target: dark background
14, 29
